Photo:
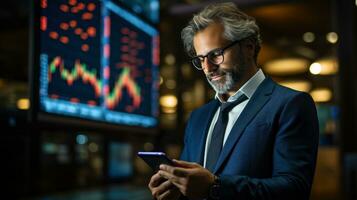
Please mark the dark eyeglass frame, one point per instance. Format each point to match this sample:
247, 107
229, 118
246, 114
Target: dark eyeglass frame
212, 53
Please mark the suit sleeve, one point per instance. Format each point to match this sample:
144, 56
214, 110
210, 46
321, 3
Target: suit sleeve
294, 157
185, 152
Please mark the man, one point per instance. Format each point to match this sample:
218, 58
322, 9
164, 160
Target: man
256, 139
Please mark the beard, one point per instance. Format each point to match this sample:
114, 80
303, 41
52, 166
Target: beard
230, 77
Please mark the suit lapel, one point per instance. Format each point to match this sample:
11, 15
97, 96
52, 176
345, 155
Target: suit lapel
207, 116
257, 101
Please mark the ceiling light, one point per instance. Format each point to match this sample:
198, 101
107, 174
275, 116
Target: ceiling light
170, 59
332, 37
286, 66
321, 94
93, 147
23, 104
315, 68
168, 101
324, 66
300, 85
308, 37
81, 139
170, 84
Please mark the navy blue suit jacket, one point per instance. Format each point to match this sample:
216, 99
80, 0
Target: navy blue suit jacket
270, 152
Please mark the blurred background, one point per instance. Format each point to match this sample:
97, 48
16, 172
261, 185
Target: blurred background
84, 85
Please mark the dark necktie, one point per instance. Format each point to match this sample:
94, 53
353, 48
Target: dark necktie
216, 144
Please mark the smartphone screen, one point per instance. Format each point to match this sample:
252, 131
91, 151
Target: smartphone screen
155, 159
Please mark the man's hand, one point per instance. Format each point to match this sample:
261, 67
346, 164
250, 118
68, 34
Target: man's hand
191, 179
162, 189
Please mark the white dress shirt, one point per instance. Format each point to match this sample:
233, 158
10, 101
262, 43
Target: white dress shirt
248, 89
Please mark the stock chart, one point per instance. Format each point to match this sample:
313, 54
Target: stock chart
98, 61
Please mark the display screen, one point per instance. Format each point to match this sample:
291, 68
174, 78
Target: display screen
97, 61
120, 164
147, 8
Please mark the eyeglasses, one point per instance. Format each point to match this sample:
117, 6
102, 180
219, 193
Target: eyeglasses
215, 56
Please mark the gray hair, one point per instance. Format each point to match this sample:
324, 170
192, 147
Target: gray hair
237, 25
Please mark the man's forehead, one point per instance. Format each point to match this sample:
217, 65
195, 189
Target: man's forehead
209, 38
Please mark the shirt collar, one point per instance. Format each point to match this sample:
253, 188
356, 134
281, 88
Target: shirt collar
248, 88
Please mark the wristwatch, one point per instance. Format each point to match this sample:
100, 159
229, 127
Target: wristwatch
214, 190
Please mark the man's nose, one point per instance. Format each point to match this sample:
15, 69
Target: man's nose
208, 66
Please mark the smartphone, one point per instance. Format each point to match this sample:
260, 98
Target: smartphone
155, 159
